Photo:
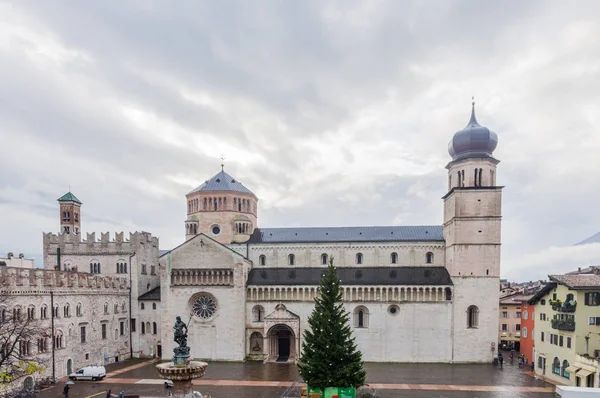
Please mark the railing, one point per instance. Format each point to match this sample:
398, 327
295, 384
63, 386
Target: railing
564, 307
563, 324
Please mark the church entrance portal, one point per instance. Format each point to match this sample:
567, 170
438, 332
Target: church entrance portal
282, 343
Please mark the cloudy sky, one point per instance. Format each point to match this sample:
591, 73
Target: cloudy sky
333, 113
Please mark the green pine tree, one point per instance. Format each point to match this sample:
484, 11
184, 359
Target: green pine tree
330, 357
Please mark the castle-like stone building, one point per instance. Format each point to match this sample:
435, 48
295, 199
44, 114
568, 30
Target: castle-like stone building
415, 293
424, 293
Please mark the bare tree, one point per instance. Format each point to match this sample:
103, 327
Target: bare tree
22, 337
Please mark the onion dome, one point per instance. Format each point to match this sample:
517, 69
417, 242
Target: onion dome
474, 141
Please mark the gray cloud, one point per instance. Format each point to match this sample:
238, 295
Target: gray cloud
332, 113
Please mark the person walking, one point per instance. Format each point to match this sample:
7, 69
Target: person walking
500, 359
109, 393
512, 355
66, 391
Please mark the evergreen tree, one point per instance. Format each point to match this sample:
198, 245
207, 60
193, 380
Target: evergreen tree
330, 357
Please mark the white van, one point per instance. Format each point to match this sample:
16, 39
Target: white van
89, 373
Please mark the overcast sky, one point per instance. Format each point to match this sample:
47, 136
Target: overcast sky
332, 113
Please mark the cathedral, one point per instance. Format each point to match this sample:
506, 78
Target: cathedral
424, 293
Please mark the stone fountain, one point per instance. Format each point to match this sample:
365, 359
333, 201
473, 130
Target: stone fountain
181, 371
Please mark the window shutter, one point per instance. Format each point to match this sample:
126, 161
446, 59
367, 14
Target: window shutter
598, 320
587, 299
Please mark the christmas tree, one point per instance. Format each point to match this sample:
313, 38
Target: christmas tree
330, 357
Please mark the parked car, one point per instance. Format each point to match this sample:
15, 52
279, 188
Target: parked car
89, 373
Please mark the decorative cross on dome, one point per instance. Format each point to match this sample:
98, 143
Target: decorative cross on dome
222, 162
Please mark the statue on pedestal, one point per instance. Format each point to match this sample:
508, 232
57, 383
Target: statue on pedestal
182, 353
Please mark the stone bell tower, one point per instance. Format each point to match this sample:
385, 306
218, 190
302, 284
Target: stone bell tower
472, 221
70, 214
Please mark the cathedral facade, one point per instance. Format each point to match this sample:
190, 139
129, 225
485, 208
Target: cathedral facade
414, 293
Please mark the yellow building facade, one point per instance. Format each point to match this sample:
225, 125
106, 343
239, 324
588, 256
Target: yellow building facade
567, 329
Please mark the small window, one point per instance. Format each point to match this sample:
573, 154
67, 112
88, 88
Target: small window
473, 317
142, 306
429, 258
153, 306
393, 309
394, 258
291, 259
83, 334
359, 258
258, 313
556, 366
262, 260
153, 270
361, 317
154, 328
143, 328
323, 259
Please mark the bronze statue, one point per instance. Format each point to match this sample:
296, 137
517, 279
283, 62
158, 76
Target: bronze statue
180, 336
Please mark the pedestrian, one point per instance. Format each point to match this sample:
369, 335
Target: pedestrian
500, 359
66, 391
109, 393
532, 366
511, 357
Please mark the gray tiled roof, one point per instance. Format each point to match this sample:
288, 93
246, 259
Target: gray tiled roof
348, 234
352, 276
162, 252
578, 282
222, 182
153, 294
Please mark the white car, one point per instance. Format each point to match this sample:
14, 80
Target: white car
89, 373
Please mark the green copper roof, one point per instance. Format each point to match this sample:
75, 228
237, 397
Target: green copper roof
69, 197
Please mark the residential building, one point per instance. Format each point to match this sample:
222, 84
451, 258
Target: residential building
19, 261
509, 321
567, 328
527, 343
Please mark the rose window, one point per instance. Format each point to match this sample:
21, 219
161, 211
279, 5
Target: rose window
204, 307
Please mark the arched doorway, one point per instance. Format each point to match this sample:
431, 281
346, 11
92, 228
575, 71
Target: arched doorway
282, 345
69, 366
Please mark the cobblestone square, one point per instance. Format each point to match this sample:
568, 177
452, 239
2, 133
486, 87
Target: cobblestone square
253, 379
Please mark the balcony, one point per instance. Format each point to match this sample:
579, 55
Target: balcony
563, 324
568, 306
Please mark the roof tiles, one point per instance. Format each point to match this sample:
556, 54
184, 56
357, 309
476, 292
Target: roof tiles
421, 233
222, 182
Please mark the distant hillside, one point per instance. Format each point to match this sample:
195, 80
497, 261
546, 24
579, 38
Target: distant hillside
591, 239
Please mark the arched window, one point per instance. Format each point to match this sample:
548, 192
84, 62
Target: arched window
44, 312
361, 317
123, 308
323, 259
429, 258
569, 297
116, 308
394, 258
556, 366
55, 311
291, 259
258, 313
153, 306
78, 310
262, 259
106, 308
479, 177
525, 315
142, 306
143, 328
524, 333
448, 293
58, 340
565, 365
148, 327
475, 179
359, 258
154, 328
66, 310
472, 317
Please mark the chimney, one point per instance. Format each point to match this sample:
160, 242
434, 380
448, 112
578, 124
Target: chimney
579, 269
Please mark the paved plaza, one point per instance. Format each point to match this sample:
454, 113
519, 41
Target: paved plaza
252, 379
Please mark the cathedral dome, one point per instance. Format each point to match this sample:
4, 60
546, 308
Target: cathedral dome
222, 182
474, 141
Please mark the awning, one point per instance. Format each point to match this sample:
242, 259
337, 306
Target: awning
572, 369
583, 373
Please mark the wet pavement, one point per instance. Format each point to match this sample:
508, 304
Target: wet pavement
390, 380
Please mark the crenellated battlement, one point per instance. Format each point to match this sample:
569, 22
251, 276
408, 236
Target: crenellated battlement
117, 244
19, 279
